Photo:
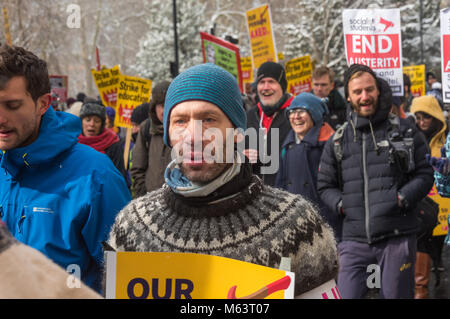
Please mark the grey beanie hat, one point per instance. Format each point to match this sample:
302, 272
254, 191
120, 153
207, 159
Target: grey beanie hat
91, 108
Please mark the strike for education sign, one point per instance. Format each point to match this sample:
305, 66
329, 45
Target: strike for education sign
299, 75
373, 37
445, 54
132, 91
261, 36
416, 74
246, 70
107, 81
222, 53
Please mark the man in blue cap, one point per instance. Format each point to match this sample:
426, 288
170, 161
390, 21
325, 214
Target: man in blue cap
211, 203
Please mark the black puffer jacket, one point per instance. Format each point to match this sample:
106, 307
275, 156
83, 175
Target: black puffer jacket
370, 182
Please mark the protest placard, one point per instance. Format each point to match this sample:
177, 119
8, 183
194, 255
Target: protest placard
223, 54
158, 275
416, 74
262, 40
246, 69
107, 81
441, 228
445, 54
373, 37
59, 85
132, 91
299, 75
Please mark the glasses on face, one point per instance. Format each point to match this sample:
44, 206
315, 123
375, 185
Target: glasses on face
297, 112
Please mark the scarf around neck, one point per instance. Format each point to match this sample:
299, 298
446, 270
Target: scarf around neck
100, 142
229, 182
271, 110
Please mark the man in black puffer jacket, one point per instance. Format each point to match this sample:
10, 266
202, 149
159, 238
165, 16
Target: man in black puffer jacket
370, 190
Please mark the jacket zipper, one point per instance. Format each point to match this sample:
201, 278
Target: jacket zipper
21, 220
366, 188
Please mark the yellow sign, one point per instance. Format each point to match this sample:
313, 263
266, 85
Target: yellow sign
416, 74
299, 75
444, 206
6, 26
135, 275
261, 36
107, 81
132, 91
246, 69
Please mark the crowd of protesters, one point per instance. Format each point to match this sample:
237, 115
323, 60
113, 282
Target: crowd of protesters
350, 171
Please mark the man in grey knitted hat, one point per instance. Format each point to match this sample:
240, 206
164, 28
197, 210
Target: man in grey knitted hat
219, 207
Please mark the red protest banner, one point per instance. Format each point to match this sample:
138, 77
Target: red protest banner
373, 38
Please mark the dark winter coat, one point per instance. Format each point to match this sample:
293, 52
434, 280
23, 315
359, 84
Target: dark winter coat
299, 166
337, 108
371, 184
280, 122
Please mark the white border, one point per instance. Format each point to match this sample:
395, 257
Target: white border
111, 265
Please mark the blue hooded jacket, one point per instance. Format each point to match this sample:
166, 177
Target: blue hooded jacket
61, 197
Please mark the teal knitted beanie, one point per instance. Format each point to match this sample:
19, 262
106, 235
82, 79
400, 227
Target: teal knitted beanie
206, 82
316, 107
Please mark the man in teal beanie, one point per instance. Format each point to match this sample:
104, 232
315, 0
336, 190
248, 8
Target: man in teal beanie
195, 83
219, 207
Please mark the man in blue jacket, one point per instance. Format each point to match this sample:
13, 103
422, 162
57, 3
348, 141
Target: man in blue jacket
56, 195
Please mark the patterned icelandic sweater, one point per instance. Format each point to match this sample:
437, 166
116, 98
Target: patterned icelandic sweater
259, 224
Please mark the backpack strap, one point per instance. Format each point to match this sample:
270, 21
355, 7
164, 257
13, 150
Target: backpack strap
337, 146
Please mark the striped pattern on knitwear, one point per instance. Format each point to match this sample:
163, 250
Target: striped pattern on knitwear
259, 225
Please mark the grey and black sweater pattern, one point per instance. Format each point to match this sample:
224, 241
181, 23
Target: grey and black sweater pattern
259, 224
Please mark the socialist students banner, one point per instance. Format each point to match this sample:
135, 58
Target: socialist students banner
373, 37
445, 54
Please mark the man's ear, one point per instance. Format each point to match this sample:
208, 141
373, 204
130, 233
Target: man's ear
43, 103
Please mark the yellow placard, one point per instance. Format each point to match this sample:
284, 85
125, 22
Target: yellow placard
153, 275
246, 69
416, 74
107, 81
6, 26
132, 91
444, 206
262, 40
299, 75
